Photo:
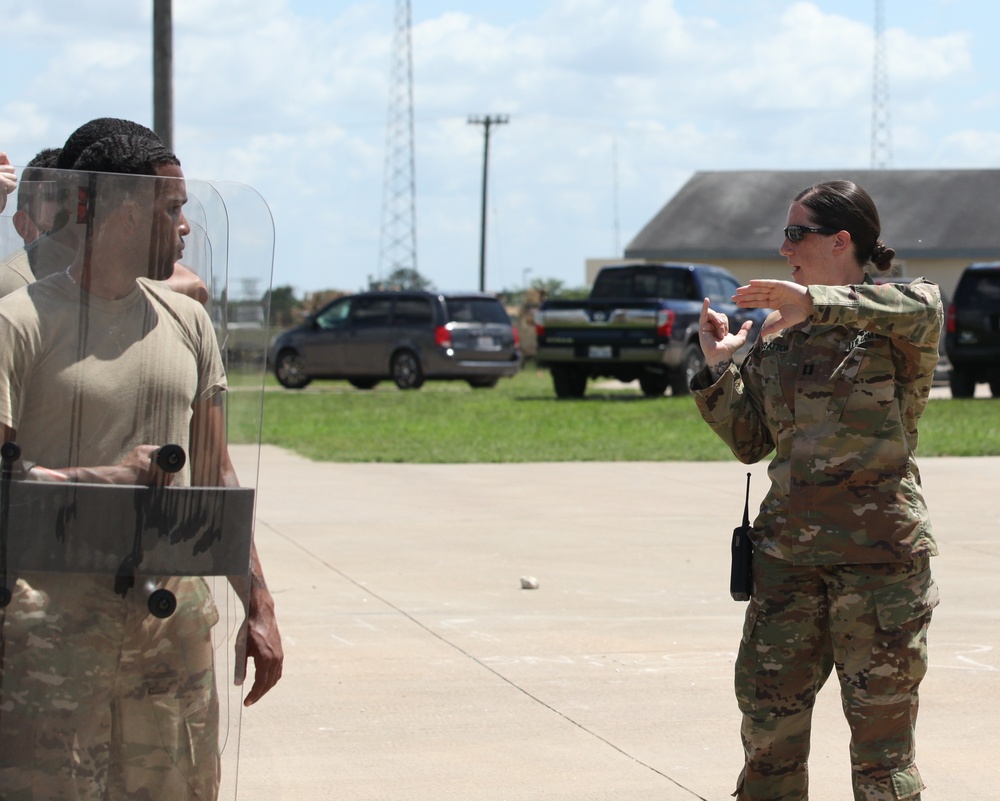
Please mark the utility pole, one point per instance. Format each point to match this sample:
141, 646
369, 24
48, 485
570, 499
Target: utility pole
163, 66
398, 236
487, 122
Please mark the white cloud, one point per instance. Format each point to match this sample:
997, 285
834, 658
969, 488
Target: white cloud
973, 148
914, 60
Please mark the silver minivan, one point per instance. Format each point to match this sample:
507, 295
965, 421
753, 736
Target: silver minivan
409, 337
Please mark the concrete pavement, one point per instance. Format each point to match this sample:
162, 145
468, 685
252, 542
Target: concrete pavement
418, 668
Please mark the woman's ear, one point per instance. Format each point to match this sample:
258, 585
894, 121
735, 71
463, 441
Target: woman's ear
842, 241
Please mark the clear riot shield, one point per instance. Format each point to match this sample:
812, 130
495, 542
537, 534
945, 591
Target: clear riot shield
125, 537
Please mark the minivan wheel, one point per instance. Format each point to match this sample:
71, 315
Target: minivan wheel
289, 371
406, 370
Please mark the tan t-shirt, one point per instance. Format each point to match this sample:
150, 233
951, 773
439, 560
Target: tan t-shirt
83, 380
15, 272
49, 255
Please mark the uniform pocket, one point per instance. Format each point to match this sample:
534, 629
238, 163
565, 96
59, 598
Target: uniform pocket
746, 661
907, 783
899, 647
865, 391
900, 603
776, 399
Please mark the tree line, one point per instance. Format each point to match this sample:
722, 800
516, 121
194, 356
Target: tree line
285, 309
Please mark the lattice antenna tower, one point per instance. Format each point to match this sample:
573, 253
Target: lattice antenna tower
881, 155
398, 237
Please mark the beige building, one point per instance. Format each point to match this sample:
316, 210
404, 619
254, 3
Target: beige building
938, 221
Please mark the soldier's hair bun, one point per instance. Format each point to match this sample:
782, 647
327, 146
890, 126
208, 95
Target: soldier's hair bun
882, 256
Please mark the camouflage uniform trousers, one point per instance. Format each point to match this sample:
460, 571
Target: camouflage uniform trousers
870, 622
101, 701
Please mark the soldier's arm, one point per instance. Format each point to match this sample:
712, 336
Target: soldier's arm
259, 638
729, 408
912, 315
137, 468
904, 312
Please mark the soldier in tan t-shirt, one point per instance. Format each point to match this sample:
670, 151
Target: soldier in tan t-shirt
102, 364
41, 222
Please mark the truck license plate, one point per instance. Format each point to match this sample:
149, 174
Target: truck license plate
599, 352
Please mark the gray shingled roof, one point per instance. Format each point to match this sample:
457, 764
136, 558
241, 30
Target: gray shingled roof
925, 214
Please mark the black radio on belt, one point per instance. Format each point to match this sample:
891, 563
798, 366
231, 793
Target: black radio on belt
741, 574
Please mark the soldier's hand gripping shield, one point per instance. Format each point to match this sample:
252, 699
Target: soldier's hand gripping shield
125, 536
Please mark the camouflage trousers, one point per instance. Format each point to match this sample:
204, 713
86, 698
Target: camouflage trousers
867, 621
101, 701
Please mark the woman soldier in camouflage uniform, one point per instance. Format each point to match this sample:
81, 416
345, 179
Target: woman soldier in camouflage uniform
832, 390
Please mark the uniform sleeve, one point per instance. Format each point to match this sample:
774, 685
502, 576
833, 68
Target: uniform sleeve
13, 372
211, 372
911, 315
732, 412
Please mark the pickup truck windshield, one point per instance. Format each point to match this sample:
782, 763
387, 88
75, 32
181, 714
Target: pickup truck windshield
719, 288
675, 285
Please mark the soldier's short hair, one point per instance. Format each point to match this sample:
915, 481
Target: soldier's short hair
99, 128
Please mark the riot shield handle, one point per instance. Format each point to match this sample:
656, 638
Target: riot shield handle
160, 602
170, 458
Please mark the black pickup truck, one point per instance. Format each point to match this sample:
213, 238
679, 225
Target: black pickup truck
639, 323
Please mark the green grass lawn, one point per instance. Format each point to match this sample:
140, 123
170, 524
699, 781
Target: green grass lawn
522, 421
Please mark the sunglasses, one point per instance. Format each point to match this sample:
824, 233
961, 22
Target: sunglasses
796, 233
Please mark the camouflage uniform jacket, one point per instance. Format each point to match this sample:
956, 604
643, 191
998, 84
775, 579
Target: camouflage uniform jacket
837, 398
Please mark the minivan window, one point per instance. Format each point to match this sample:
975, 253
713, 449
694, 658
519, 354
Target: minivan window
371, 312
334, 315
413, 311
476, 310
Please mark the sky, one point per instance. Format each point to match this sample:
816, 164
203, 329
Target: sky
612, 106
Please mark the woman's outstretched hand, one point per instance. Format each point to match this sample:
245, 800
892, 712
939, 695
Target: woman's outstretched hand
791, 302
717, 342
